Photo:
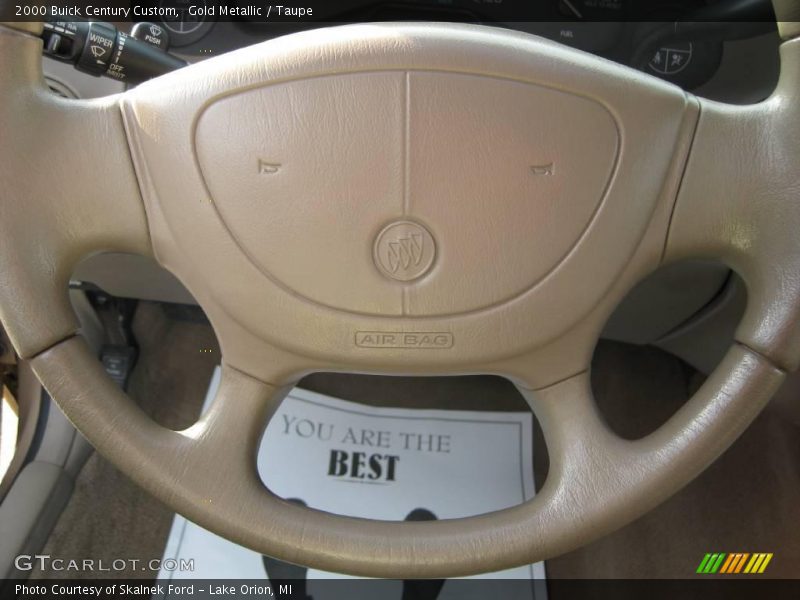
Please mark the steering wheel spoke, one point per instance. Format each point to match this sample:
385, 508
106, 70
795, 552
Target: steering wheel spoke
232, 428
69, 190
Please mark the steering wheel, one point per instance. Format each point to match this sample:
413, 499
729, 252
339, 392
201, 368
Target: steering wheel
402, 199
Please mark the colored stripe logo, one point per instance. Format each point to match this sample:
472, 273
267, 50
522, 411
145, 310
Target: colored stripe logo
734, 563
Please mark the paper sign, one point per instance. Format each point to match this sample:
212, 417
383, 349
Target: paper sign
377, 463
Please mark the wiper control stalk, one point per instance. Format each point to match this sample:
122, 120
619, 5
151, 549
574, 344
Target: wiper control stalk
100, 49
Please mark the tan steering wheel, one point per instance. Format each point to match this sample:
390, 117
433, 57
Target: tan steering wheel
402, 199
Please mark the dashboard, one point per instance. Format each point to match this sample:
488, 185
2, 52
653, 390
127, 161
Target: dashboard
619, 30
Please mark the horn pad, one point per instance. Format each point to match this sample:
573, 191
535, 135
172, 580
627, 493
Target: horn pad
411, 193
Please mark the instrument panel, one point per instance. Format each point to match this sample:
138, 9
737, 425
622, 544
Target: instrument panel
608, 28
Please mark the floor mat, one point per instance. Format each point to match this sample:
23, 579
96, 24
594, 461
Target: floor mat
748, 501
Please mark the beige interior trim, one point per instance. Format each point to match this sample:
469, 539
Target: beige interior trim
29, 402
788, 15
31, 27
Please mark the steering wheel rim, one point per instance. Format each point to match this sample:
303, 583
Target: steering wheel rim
690, 203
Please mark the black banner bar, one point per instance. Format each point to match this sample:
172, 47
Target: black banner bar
349, 11
712, 588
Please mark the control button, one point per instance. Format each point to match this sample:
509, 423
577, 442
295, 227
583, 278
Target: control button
152, 34
53, 44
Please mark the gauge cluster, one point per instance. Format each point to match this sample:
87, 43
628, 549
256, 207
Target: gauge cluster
608, 28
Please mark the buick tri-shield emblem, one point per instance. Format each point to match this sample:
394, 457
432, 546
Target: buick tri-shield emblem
404, 250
